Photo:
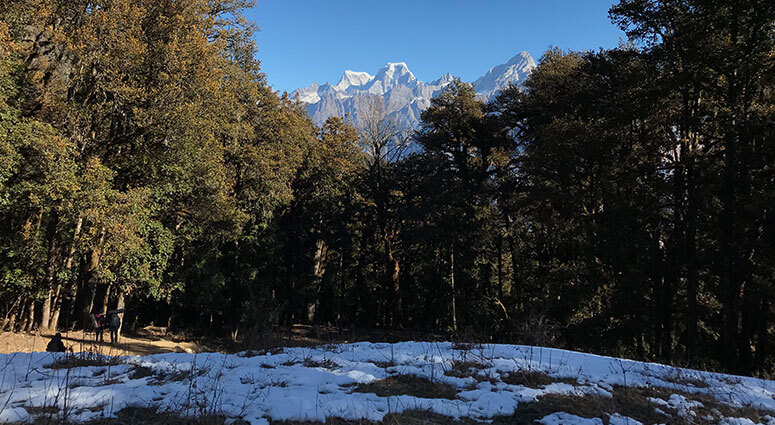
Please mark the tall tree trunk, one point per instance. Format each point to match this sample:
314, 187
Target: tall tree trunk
763, 326
657, 277
393, 270
685, 235
514, 268
729, 276
731, 279
11, 324
748, 329
56, 307
667, 277
29, 321
318, 270
89, 306
23, 316
692, 281
45, 311
340, 296
106, 298
687, 197
668, 289
120, 305
363, 306
67, 289
454, 290
172, 312
78, 294
91, 279
50, 277
10, 316
500, 267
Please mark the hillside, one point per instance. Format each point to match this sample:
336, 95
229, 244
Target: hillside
412, 382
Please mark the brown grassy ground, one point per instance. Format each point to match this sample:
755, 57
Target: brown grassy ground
80, 342
408, 385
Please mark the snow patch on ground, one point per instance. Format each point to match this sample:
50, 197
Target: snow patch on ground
311, 384
562, 418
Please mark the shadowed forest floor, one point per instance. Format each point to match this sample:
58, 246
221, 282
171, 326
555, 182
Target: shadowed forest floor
152, 340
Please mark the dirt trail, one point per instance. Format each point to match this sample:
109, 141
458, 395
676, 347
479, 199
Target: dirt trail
80, 341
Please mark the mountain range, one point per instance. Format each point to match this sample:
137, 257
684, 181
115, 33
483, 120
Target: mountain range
404, 96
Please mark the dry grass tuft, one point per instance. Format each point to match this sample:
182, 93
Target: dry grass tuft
409, 417
329, 421
151, 416
420, 417
42, 410
324, 364
533, 379
178, 375
588, 406
162, 377
408, 385
468, 369
630, 402
139, 372
262, 352
85, 359
685, 378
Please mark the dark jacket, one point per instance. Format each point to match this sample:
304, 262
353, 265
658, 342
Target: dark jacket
114, 321
56, 345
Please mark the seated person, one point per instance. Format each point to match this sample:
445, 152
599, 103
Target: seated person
56, 345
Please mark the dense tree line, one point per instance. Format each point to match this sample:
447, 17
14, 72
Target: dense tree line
620, 202
141, 147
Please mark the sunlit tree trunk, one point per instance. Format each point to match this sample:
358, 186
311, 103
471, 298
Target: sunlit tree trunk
68, 288
50, 277
318, 270
120, 305
91, 279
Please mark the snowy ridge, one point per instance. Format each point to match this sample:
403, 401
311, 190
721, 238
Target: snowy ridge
351, 78
311, 384
403, 95
515, 71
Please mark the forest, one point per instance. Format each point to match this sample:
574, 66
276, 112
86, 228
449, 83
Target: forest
621, 202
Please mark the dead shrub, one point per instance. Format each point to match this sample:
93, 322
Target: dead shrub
409, 417
86, 359
139, 372
632, 402
325, 364
152, 416
533, 379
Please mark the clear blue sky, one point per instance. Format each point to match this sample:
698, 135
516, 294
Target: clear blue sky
303, 41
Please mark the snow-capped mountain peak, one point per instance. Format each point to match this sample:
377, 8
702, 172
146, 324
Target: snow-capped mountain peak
515, 70
394, 70
391, 75
353, 78
445, 79
523, 59
403, 95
